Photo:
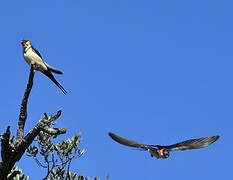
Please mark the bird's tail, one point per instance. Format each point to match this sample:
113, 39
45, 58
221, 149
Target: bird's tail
50, 76
53, 69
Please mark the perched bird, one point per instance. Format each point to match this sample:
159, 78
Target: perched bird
33, 57
163, 151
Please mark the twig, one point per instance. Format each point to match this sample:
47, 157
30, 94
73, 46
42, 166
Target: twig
48, 169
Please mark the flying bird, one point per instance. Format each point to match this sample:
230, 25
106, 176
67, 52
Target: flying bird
163, 152
33, 57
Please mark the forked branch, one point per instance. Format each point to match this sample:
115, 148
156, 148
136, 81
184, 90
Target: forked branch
12, 152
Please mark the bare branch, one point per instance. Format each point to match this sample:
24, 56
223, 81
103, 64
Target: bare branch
42, 125
54, 131
23, 108
6, 153
5, 146
12, 152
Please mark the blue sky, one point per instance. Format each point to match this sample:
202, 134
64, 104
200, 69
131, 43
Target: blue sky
157, 72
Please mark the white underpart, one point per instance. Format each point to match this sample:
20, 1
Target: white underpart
32, 58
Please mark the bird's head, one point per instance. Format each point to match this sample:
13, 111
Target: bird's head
164, 153
26, 43
158, 151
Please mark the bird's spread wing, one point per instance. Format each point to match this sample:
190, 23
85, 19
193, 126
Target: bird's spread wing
193, 143
127, 142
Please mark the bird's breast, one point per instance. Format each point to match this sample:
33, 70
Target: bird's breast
33, 59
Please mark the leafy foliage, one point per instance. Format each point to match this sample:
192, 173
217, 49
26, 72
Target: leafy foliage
57, 157
17, 174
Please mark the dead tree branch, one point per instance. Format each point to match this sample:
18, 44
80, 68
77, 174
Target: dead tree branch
23, 108
12, 152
